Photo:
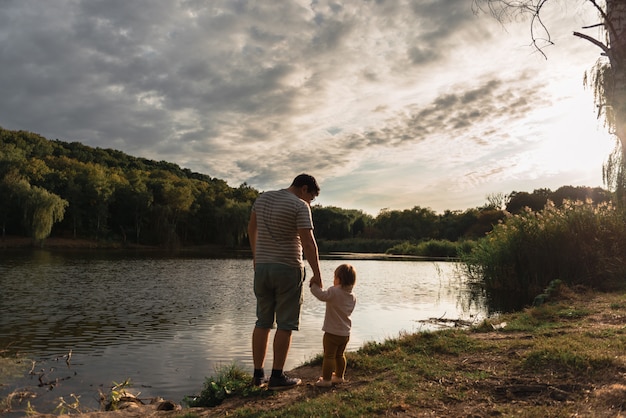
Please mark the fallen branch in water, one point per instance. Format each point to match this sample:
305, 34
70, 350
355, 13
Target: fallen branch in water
446, 322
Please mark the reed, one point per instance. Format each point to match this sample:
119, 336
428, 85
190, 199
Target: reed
577, 243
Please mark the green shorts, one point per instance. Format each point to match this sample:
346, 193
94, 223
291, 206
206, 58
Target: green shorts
278, 290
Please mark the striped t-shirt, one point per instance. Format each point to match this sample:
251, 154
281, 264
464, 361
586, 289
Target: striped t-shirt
279, 215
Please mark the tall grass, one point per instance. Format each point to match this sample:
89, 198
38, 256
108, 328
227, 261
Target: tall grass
578, 243
432, 248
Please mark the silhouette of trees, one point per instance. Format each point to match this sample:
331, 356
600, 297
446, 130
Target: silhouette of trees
68, 189
105, 194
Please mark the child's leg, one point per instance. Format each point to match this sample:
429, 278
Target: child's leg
340, 357
330, 354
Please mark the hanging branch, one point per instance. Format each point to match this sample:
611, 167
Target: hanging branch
594, 41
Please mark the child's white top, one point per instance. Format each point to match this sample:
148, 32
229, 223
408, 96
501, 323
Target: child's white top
340, 302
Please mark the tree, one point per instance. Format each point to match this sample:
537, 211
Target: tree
594, 195
331, 222
14, 191
607, 77
496, 201
173, 197
534, 201
43, 210
130, 204
414, 224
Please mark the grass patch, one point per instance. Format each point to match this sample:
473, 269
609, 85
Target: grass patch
11, 368
566, 360
229, 381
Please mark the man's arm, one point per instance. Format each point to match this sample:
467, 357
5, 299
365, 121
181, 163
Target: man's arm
311, 253
252, 234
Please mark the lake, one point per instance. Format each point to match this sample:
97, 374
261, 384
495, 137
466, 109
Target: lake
167, 322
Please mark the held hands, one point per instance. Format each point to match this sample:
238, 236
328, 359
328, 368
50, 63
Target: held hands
317, 280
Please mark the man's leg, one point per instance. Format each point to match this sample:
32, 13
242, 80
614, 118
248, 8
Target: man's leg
265, 318
278, 379
260, 337
282, 342
289, 299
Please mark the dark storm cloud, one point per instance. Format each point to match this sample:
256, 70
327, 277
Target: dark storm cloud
102, 56
81, 73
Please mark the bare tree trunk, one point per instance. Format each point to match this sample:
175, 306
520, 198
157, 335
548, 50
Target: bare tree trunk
615, 92
616, 28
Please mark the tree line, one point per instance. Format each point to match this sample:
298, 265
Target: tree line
56, 188
104, 194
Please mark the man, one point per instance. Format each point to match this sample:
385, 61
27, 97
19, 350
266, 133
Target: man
280, 231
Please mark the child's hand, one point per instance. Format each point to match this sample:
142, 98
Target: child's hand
315, 280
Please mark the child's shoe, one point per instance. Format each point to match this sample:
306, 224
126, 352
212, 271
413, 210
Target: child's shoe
321, 383
337, 380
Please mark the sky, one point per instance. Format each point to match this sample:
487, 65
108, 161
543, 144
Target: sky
390, 104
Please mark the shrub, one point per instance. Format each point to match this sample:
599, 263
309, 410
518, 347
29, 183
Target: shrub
578, 243
431, 248
437, 248
229, 381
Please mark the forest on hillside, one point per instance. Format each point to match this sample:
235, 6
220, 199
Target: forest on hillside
61, 189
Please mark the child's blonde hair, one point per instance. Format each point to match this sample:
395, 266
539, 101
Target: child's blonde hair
346, 275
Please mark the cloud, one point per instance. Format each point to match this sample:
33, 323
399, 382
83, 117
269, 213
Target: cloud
354, 92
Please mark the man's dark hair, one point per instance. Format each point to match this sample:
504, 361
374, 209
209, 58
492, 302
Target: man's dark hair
306, 180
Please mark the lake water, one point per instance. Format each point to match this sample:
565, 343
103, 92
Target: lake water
168, 322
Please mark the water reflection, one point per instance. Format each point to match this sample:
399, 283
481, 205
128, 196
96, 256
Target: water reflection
167, 323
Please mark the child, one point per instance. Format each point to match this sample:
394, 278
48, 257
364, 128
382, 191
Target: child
340, 302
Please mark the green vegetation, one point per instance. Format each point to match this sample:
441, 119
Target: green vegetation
229, 381
13, 367
577, 243
118, 392
60, 189
71, 190
433, 248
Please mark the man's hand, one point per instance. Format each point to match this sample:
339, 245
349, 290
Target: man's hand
316, 280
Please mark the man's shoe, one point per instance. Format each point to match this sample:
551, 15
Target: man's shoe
283, 382
260, 381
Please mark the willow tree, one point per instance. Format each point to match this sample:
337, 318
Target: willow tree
14, 191
607, 77
43, 210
